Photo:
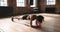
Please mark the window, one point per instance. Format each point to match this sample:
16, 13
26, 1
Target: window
3, 3
20, 3
51, 2
33, 3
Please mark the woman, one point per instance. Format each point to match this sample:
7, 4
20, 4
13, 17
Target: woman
36, 21
39, 20
32, 20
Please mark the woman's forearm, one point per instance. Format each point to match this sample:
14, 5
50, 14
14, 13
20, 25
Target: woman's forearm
31, 23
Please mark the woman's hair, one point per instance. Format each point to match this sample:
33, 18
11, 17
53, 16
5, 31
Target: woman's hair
40, 18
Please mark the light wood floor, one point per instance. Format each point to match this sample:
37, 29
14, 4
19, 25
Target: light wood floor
51, 24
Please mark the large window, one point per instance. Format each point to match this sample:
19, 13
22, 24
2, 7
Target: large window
33, 3
51, 2
20, 3
3, 3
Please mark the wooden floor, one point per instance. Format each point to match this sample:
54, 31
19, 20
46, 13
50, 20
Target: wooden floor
51, 24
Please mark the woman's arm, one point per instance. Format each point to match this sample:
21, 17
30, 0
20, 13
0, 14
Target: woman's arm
36, 23
31, 22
